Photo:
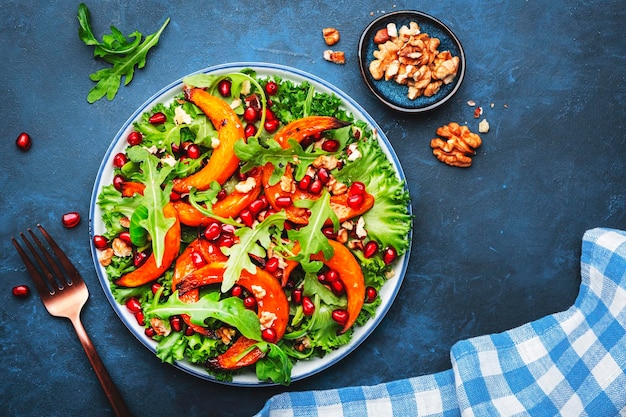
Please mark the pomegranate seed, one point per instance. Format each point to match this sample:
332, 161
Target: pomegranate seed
139, 259
271, 265
213, 231
70, 219
271, 88
197, 260
340, 316
270, 115
125, 236
150, 332
155, 287
221, 194
330, 145
269, 335
389, 255
370, 249
332, 275
119, 160
226, 241
157, 118
249, 130
247, 217
355, 201
305, 182
100, 242
133, 305
134, 138
249, 302
329, 232
224, 87
193, 151
21, 291
118, 180
228, 228
257, 205
141, 318
250, 115
271, 125
189, 331
316, 187
237, 291
323, 175
177, 323
356, 188
296, 296
321, 277
337, 287
283, 201
23, 141
308, 308
370, 294
174, 196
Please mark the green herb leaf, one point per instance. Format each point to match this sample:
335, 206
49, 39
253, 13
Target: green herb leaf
275, 365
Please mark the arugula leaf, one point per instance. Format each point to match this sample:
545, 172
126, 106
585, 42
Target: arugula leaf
154, 198
251, 241
275, 365
228, 310
310, 237
124, 54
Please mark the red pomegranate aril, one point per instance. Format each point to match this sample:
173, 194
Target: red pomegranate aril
305, 182
249, 130
283, 201
337, 287
134, 138
250, 115
197, 260
316, 187
221, 195
389, 255
193, 151
224, 87
23, 141
370, 294
271, 265
271, 88
141, 318
270, 115
330, 145
118, 180
236, 291
249, 302
119, 160
271, 125
247, 217
150, 332
257, 205
323, 175
100, 242
308, 307
269, 335
21, 291
125, 236
213, 231
356, 188
226, 241
174, 196
340, 316
189, 331
228, 228
139, 258
332, 275
155, 287
355, 201
321, 277
370, 249
157, 118
70, 219
177, 323
296, 296
133, 305
329, 232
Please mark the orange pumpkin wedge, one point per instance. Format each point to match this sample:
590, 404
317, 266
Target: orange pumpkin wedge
223, 162
149, 271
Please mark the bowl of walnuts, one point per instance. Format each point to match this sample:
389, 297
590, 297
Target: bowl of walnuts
411, 61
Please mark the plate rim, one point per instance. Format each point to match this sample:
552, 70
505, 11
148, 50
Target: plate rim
361, 49
135, 330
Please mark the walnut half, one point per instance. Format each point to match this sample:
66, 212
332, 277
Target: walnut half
458, 147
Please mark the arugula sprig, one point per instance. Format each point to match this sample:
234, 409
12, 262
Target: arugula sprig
125, 54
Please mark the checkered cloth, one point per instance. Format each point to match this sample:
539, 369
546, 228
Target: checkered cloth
571, 363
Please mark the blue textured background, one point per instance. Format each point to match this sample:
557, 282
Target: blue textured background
494, 246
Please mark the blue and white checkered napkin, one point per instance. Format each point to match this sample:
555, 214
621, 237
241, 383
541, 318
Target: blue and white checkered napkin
571, 363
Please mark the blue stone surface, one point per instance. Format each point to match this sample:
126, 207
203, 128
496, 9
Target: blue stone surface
494, 246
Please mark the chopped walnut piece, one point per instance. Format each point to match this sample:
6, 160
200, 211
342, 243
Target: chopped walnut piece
483, 126
106, 257
331, 36
337, 57
459, 146
381, 36
121, 248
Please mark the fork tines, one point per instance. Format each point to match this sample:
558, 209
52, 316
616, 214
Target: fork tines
53, 275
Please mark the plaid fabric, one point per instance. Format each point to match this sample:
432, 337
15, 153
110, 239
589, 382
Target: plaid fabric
571, 363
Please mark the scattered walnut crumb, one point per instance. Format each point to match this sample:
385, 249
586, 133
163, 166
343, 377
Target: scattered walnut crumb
478, 112
471, 103
483, 126
337, 57
331, 36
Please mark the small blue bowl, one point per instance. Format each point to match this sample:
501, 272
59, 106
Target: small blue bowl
393, 94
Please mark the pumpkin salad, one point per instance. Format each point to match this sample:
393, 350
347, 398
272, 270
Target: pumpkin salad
251, 224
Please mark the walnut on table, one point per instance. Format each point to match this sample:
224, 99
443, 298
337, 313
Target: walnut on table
458, 148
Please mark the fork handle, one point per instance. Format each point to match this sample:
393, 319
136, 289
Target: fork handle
110, 389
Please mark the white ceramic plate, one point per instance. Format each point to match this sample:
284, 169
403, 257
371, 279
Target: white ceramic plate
104, 177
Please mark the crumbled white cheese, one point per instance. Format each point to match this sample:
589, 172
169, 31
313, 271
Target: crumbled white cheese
235, 103
168, 160
353, 152
181, 116
246, 87
246, 186
215, 143
152, 149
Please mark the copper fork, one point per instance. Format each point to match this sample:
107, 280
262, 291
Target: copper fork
64, 293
